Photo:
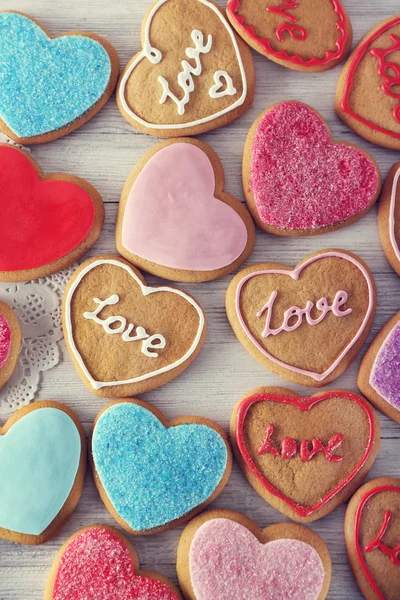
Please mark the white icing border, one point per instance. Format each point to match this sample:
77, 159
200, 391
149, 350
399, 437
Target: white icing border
393, 198
157, 57
146, 291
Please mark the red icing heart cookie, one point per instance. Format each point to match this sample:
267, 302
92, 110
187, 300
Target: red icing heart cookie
297, 180
10, 342
99, 562
284, 443
48, 221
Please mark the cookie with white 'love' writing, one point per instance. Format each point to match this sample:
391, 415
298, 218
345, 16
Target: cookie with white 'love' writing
389, 217
223, 554
123, 336
195, 80
306, 324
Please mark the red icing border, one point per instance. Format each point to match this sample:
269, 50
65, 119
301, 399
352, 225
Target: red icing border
355, 61
364, 500
304, 404
234, 5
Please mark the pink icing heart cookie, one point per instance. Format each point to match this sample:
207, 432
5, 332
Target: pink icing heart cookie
98, 562
175, 220
222, 554
10, 342
297, 180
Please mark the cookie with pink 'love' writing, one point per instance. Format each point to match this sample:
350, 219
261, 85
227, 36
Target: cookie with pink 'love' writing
306, 324
10, 342
305, 36
389, 217
223, 554
297, 180
99, 562
176, 221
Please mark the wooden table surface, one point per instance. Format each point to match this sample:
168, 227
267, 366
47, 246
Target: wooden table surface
104, 151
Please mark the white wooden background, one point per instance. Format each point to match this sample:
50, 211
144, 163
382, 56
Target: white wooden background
104, 151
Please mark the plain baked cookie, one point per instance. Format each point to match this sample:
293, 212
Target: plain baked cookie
297, 180
198, 79
305, 456
223, 554
99, 562
176, 221
10, 342
42, 471
48, 221
389, 217
123, 336
367, 99
305, 324
166, 472
311, 35
372, 532
51, 84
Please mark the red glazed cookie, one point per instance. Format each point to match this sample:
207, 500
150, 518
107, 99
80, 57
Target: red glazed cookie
98, 562
372, 531
305, 456
311, 35
389, 217
297, 180
367, 97
10, 342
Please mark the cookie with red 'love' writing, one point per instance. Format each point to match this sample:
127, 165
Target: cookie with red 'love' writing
48, 221
389, 217
372, 532
98, 562
311, 35
297, 180
10, 342
176, 221
223, 554
305, 456
195, 80
367, 97
306, 324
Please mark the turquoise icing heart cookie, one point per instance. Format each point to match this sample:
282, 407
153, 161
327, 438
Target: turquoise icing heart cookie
50, 85
152, 474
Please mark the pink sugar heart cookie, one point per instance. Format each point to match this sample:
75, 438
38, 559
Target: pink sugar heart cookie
10, 342
298, 181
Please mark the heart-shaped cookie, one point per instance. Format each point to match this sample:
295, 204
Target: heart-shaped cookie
372, 531
123, 336
305, 36
373, 72
297, 180
42, 471
389, 217
200, 78
99, 563
305, 456
176, 221
48, 221
306, 324
10, 342
166, 471
51, 84
222, 554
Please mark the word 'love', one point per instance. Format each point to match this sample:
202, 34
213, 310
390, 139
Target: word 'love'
392, 553
296, 32
389, 71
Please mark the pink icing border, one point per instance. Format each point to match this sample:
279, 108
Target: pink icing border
295, 274
393, 240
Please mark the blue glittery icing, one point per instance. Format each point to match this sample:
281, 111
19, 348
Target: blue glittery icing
153, 474
45, 83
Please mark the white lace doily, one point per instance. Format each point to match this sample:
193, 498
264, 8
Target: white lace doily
37, 305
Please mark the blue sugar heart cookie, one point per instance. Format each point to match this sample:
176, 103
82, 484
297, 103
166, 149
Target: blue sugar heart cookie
46, 83
154, 474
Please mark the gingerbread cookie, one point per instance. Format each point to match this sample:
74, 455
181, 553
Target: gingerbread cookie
297, 180
222, 554
311, 35
389, 217
367, 97
372, 531
48, 221
10, 342
200, 78
42, 471
176, 221
98, 562
305, 456
51, 84
284, 316
166, 472
379, 375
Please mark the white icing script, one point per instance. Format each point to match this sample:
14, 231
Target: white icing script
215, 90
298, 313
149, 343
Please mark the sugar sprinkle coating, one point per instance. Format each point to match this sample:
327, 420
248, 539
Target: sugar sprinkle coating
385, 375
